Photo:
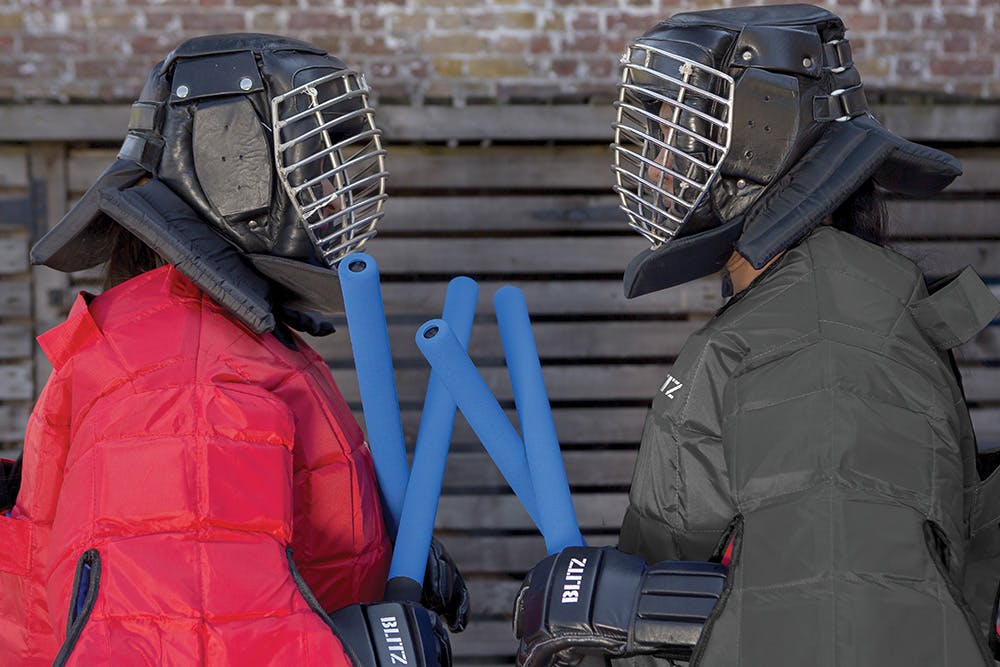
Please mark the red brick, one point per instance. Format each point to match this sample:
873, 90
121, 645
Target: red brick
631, 23
511, 44
953, 21
957, 43
583, 43
899, 21
316, 20
962, 67
541, 44
208, 22
370, 21
586, 21
48, 45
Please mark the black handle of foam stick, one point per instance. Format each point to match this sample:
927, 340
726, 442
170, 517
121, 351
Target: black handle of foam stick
403, 589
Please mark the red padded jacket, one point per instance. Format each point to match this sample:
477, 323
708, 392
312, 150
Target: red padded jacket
170, 463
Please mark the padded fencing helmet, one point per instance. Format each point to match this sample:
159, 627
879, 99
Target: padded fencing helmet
744, 128
273, 145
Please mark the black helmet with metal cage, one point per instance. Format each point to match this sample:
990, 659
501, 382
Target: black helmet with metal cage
744, 128
270, 142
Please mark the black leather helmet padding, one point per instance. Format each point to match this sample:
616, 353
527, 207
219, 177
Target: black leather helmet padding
789, 184
214, 171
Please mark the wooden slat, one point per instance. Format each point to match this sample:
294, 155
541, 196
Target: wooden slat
554, 340
594, 511
576, 427
608, 255
424, 300
13, 419
15, 298
514, 554
597, 467
13, 254
15, 341
528, 122
486, 639
527, 168
13, 167
606, 382
15, 381
585, 340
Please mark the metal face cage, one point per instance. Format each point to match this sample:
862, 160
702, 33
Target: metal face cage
672, 132
331, 162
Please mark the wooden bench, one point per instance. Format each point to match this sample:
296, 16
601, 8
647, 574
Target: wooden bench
508, 195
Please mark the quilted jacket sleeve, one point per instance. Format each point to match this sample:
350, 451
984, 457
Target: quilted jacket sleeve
169, 545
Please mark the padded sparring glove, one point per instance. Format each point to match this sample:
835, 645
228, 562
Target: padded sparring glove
588, 601
444, 588
389, 634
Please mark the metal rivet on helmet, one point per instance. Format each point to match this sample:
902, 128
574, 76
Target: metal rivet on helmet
182, 91
246, 83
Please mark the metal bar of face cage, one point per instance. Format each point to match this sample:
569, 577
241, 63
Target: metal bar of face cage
308, 209
656, 189
655, 240
665, 121
323, 127
663, 168
673, 102
639, 200
648, 50
371, 201
339, 169
356, 138
322, 106
344, 75
351, 244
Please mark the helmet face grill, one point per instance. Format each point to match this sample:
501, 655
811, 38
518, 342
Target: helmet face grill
331, 162
672, 132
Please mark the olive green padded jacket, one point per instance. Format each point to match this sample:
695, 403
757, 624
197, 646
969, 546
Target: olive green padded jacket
816, 421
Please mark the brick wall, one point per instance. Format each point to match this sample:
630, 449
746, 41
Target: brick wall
463, 50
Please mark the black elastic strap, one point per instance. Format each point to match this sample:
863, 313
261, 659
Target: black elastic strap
847, 104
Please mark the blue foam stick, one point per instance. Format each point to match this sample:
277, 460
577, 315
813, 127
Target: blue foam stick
409, 557
480, 407
555, 504
359, 281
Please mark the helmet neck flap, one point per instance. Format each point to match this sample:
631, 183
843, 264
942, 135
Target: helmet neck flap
782, 136
270, 144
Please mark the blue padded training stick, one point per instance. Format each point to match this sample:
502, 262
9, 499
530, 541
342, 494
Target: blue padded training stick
548, 476
409, 557
469, 390
359, 281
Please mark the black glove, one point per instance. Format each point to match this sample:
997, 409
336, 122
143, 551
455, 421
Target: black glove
10, 482
389, 634
598, 601
444, 589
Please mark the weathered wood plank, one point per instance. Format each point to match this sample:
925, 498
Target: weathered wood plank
610, 383
577, 427
13, 420
606, 255
485, 639
597, 467
13, 167
586, 340
13, 253
514, 554
15, 381
425, 300
554, 340
15, 341
15, 298
594, 511
528, 122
